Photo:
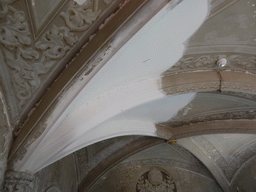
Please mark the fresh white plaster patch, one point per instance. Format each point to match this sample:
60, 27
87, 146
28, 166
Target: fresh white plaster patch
154, 49
139, 120
109, 130
129, 79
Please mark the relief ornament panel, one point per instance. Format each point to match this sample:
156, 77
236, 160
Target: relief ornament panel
28, 60
241, 62
155, 180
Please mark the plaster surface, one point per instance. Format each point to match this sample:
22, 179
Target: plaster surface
184, 170
129, 79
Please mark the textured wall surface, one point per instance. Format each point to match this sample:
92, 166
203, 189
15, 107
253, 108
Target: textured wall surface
245, 180
159, 168
58, 177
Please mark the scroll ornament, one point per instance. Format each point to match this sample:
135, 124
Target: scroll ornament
18, 182
28, 61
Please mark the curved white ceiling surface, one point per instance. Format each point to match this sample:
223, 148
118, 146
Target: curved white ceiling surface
124, 98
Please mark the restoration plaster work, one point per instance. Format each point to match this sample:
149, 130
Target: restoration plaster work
127, 95
91, 101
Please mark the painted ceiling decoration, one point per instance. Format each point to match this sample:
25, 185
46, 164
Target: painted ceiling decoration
127, 95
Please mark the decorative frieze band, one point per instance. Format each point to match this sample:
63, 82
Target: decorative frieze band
239, 62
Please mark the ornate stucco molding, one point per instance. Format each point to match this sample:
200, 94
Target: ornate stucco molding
239, 62
31, 63
18, 182
208, 80
80, 17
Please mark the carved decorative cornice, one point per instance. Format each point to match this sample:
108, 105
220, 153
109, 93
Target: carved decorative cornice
18, 182
208, 80
236, 62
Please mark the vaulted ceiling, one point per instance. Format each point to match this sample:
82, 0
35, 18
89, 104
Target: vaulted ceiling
73, 75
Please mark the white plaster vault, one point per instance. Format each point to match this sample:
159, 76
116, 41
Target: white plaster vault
129, 79
92, 90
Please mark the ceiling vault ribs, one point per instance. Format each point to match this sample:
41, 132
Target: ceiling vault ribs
115, 158
54, 81
77, 68
208, 81
200, 82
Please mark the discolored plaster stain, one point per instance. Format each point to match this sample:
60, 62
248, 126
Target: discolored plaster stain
163, 132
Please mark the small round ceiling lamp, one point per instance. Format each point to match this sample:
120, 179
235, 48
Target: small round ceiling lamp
222, 62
